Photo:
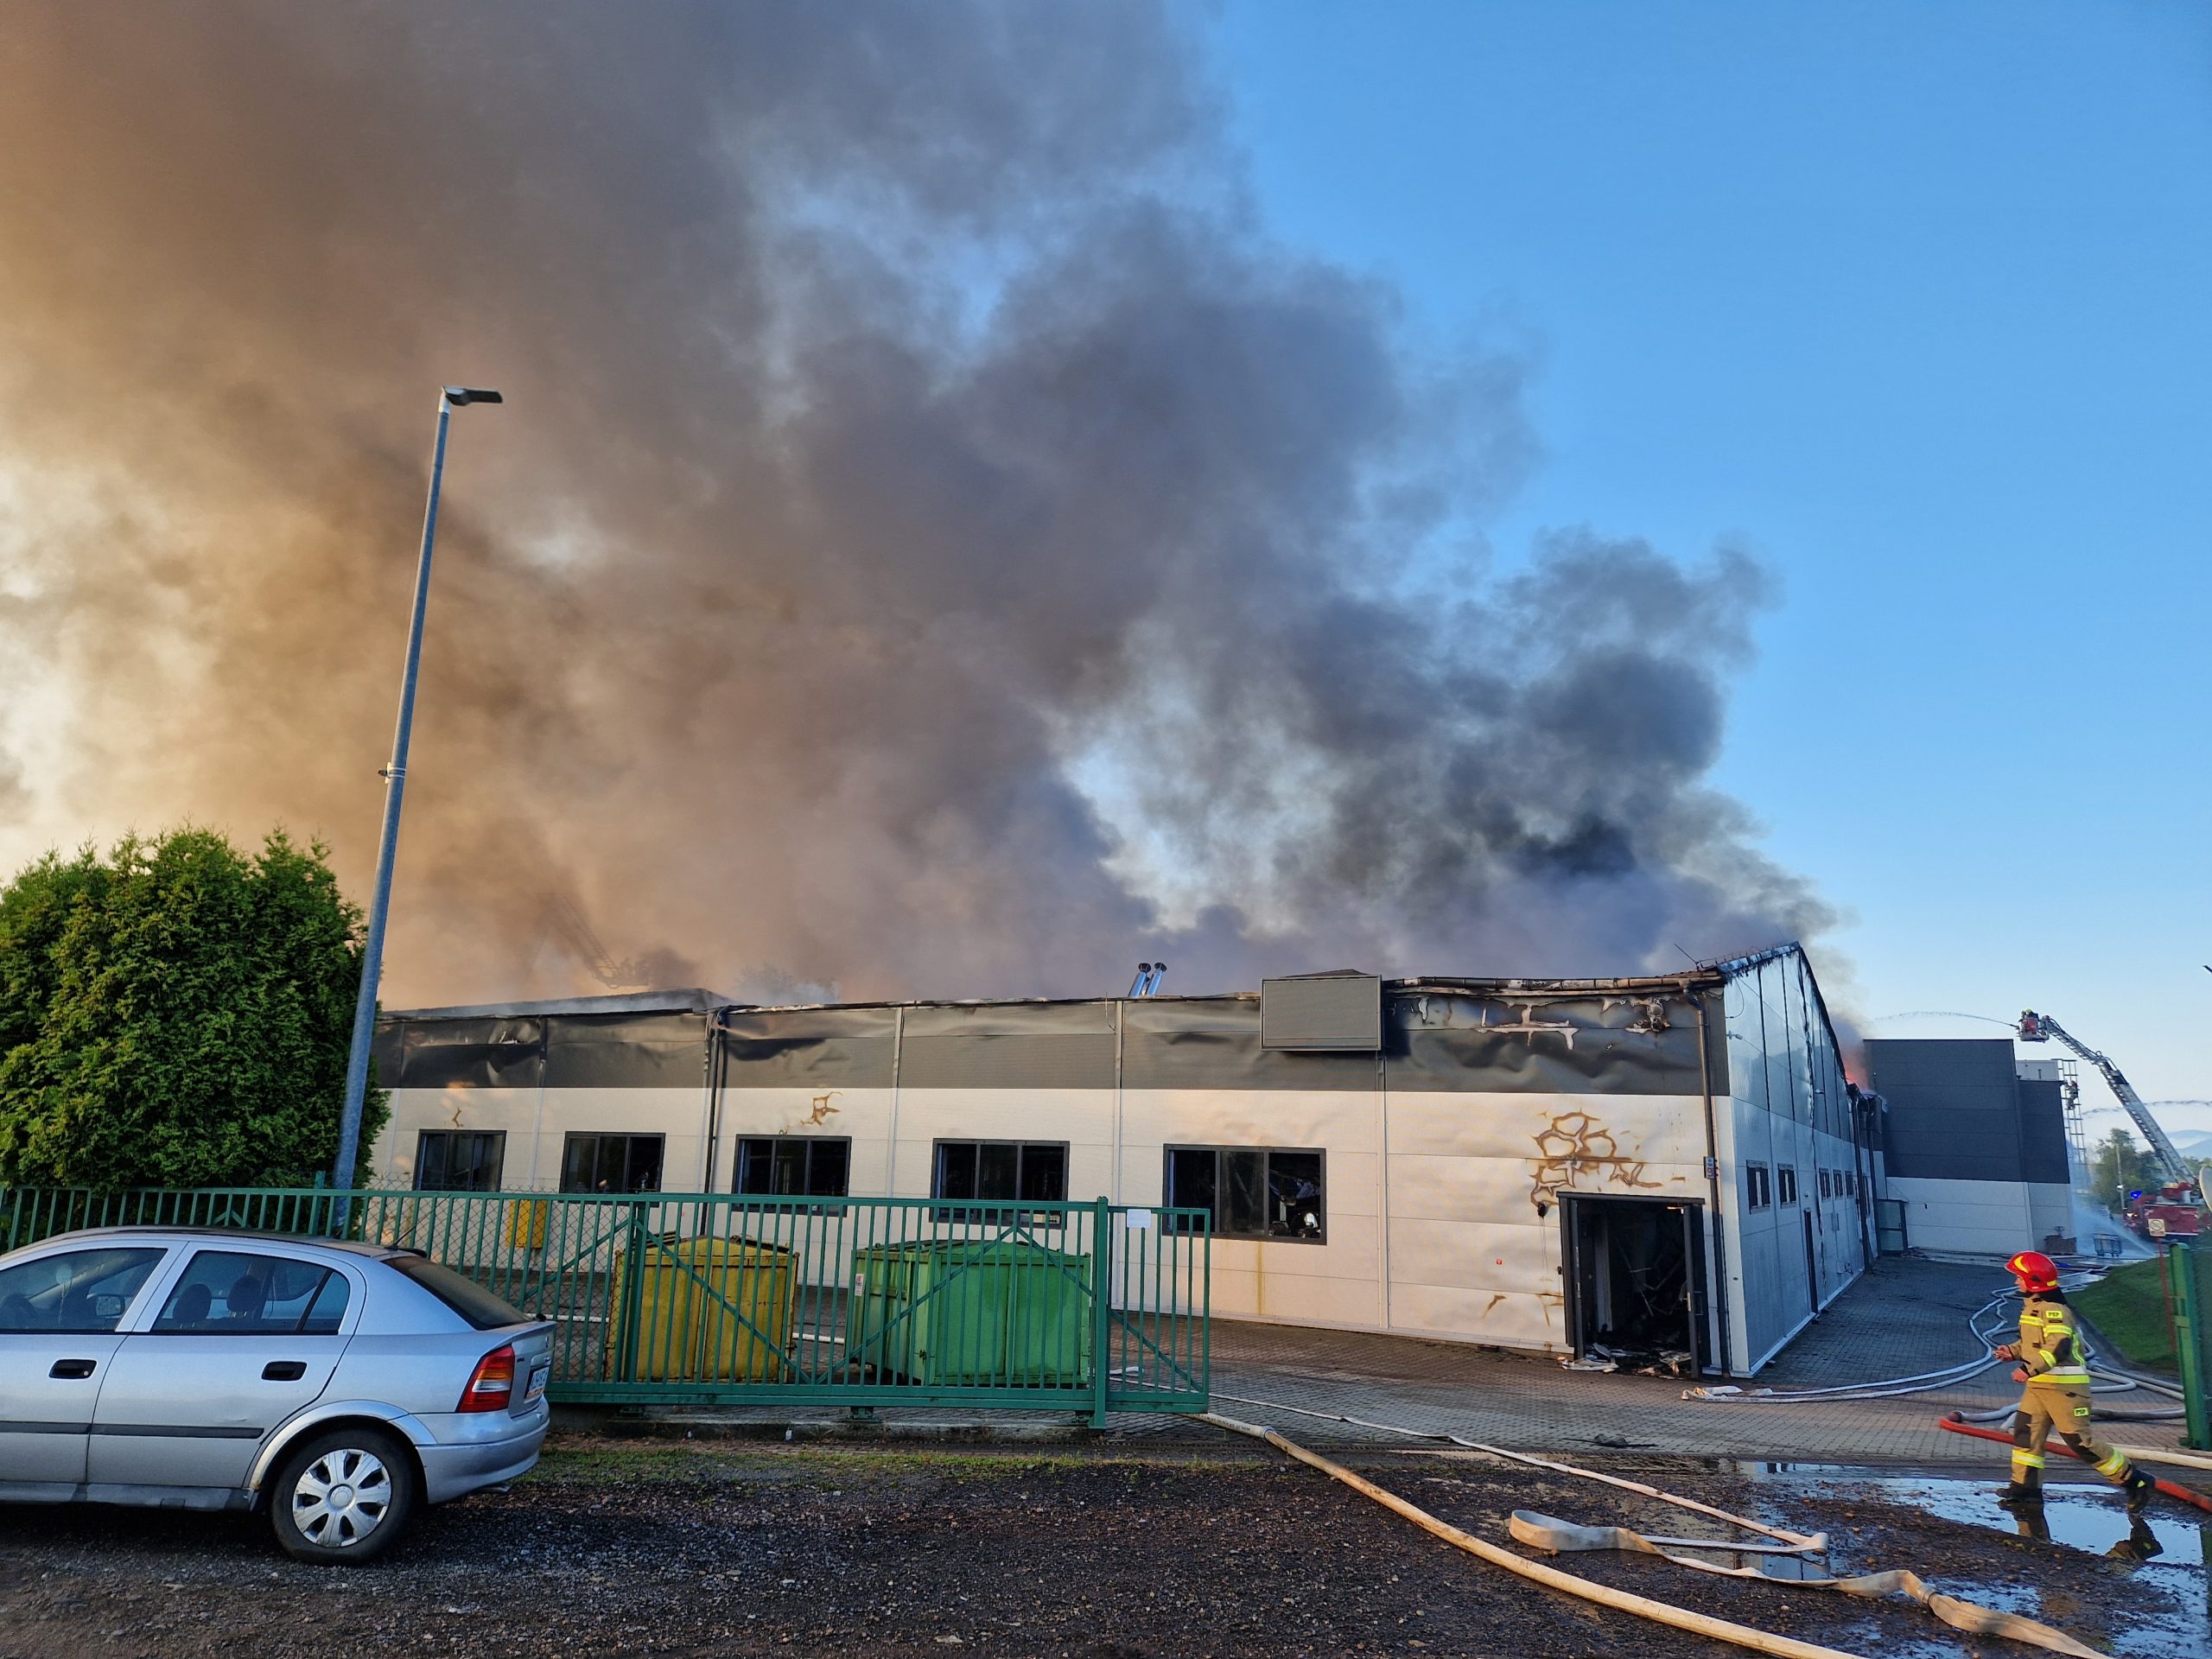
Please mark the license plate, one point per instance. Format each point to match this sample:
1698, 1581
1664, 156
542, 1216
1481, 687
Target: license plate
537, 1388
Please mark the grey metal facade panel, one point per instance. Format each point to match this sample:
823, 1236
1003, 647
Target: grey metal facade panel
1011, 1019
999, 1061
2042, 1131
849, 1048
1715, 1058
1954, 1107
384, 1051
1582, 1044
1322, 1010
468, 1054
664, 1050
1214, 1043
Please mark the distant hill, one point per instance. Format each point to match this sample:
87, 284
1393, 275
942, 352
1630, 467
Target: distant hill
2194, 1143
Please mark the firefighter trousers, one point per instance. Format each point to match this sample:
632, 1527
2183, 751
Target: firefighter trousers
2063, 1408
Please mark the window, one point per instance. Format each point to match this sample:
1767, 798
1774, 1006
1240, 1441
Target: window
1033, 1170
478, 1306
610, 1163
1828, 1185
1785, 1177
79, 1291
224, 1293
459, 1161
795, 1166
1758, 1191
1251, 1191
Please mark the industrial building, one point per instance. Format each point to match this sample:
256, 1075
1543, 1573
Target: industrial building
1974, 1145
1669, 1168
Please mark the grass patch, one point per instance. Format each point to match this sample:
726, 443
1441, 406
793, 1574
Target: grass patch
2128, 1307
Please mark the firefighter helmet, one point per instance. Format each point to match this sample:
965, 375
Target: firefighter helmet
2035, 1271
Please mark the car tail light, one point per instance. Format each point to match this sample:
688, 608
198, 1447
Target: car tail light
491, 1385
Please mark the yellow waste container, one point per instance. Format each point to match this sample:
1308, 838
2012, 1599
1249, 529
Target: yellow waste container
526, 1224
709, 1310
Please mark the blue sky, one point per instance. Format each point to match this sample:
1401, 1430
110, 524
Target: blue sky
1916, 302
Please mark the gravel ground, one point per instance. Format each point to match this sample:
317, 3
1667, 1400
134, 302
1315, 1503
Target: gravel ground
654, 1548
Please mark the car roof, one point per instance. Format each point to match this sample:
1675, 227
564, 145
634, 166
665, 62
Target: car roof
351, 1247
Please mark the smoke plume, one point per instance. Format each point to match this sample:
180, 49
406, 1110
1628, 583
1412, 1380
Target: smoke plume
937, 541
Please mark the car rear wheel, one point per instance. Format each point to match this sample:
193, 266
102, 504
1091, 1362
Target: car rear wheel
342, 1496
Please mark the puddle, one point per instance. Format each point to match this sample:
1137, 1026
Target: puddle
2080, 1516
2083, 1516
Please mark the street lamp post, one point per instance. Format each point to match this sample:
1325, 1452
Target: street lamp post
395, 786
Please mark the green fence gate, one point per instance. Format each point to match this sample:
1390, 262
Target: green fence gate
668, 1298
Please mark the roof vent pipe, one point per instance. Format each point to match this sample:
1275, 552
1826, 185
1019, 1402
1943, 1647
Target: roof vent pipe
1158, 973
1136, 985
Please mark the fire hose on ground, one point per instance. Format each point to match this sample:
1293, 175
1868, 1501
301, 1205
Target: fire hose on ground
1542, 1532
1955, 1423
2115, 1381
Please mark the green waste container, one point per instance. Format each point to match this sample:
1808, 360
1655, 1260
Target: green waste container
971, 1313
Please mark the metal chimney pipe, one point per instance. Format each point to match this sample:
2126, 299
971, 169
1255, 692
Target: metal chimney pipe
1158, 973
1136, 985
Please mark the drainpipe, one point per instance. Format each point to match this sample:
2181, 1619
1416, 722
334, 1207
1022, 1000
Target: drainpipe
1713, 1185
891, 1152
714, 1093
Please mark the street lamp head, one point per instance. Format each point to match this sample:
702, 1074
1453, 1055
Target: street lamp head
458, 395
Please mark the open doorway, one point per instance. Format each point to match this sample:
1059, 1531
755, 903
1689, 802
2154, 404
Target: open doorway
1635, 1282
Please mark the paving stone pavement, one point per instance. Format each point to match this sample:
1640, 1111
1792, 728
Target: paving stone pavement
1904, 1318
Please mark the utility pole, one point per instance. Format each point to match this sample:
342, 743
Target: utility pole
395, 786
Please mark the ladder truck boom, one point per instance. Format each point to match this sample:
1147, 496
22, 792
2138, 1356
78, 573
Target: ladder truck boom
2041, 1028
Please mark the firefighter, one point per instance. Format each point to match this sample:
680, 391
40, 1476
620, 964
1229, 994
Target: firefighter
2057, 1392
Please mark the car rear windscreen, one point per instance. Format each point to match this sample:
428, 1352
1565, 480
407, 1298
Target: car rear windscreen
465, 1296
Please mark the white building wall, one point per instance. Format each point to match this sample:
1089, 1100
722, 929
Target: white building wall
1465, 1254
1991, 1219
1787, 1108
1443, 1216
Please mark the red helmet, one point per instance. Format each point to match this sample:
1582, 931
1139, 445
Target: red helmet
2035, 1271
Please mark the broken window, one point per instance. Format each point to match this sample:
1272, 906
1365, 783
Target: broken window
612, 1163
1251, 1191
1034, 1171
1759, 1189
795, 1166
1786, 1179
459, 1160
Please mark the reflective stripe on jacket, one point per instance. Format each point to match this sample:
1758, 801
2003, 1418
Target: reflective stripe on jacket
2050, 1350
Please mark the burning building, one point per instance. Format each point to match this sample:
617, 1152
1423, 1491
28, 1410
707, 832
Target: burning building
1668, 1166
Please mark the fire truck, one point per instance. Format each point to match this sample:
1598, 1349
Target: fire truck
2164, 1212
2174, 1209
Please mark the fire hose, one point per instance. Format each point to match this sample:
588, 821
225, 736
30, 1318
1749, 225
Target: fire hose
1542, 1532
1956, 1424
2115, 1381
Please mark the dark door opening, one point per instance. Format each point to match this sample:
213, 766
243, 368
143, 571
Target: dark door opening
1635, 1281
1812, 1267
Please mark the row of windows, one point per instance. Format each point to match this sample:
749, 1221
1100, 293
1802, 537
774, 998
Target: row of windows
1760, 1186
1249, 1191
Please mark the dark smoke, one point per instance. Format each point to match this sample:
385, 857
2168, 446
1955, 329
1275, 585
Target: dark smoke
914, 439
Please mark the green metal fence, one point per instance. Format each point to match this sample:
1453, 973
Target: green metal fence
702, 1297
2189, 1295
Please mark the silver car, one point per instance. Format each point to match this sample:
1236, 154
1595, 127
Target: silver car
338, 1386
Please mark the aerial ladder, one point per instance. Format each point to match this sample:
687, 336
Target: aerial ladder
2041, 1028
